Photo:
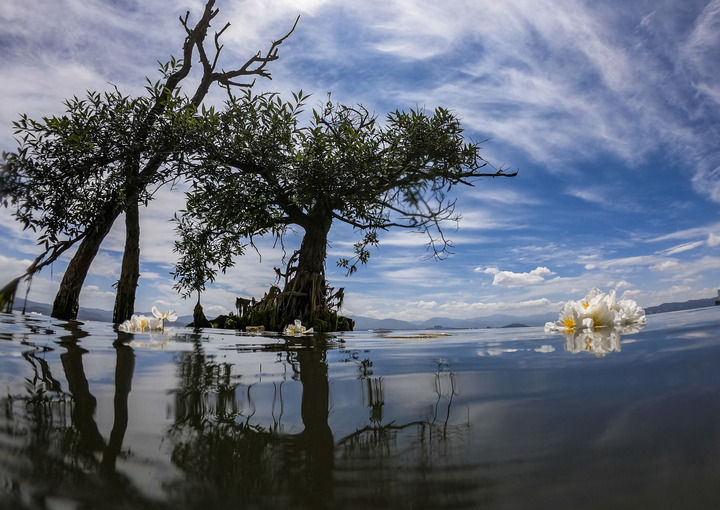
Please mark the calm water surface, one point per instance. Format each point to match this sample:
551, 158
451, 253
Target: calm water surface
496, 419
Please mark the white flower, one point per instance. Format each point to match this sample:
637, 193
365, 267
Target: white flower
135, 323
169, 316
296, 329
600, 314
597, 310
571, 317
142, 324
630, 313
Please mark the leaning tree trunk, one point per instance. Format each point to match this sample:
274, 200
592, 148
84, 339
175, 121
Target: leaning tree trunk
130, 272
67, 298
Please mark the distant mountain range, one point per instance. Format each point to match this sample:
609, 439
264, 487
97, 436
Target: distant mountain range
685, 305
491, 321
365, 323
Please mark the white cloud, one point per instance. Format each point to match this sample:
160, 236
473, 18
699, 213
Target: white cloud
106, 264
712, 229
11, 267
683, 247
623, 262
588, 196
533, 306
504, 196
510, 279
423, 305
94, 297
488, 220
701, 49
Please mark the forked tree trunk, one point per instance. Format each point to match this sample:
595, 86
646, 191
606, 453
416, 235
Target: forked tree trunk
67, 298
130, 272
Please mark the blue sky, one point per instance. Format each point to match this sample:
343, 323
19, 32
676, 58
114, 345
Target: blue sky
611, 111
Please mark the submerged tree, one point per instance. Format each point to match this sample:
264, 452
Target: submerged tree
73, 175
263, 172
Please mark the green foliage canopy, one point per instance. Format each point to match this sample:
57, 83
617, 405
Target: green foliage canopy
70, 169
262, 170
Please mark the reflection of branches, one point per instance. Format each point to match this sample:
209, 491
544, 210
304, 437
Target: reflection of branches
41, 372
375, 398
378, 434
277, 394
216, 448
206, 388
372, 435
439, 392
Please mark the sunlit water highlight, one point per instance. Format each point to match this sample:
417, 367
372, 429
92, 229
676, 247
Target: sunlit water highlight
497, 418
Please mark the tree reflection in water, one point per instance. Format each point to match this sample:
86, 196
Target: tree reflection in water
230, 455
230, 462
59, 450
412, 463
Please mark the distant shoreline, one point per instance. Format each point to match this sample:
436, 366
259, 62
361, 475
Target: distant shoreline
369, 323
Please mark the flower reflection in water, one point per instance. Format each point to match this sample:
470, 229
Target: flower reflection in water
598, 342
595, 323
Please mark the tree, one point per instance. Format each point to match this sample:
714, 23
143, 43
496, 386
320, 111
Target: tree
73, 175
263, 172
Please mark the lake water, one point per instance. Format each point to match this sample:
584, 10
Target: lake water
497, 418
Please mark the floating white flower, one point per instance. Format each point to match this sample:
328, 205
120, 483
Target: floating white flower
598, 310
169, 316
296, 329
142, 324
137, 323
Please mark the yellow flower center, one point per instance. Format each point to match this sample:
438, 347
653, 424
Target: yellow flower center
586, 304
569, 323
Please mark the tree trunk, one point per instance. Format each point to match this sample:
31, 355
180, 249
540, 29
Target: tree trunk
304, 295
199, 319
127, 285
313, 248
67, 298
